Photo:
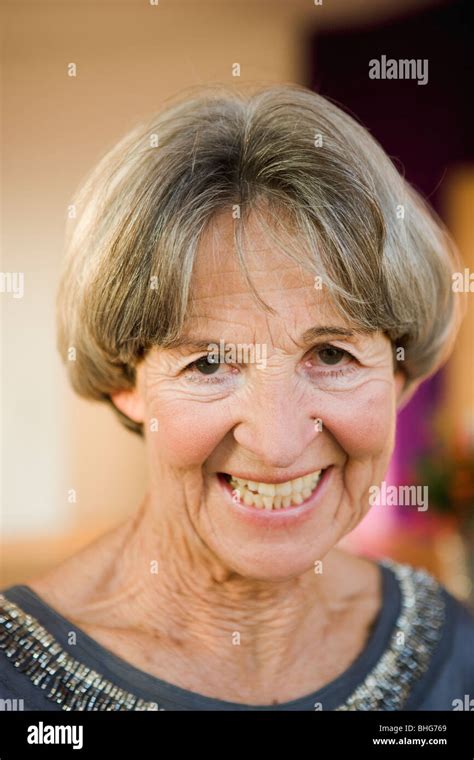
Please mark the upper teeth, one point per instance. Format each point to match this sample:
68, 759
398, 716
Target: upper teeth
283, 489
275, 495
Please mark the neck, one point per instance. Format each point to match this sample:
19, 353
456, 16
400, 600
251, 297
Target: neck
159, 598
180, 591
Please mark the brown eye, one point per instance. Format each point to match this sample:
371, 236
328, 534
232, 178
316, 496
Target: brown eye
331, 355
206, 366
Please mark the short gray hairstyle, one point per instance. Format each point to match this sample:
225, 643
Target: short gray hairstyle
326, 191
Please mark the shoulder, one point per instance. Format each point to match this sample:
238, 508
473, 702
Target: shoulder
460, 621
50, 664
438, 640
17, 651
423, 666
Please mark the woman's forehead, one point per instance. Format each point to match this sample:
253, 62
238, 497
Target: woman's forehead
220, 296
300, 314
217, 271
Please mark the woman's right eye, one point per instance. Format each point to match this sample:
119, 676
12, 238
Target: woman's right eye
209, 370
205, 365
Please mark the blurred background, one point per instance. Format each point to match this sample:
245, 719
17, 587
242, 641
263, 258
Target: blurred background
69, 470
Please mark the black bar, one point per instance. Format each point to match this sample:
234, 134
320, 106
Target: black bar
446, 734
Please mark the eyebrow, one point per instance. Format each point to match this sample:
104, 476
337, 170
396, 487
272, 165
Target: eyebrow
307, 338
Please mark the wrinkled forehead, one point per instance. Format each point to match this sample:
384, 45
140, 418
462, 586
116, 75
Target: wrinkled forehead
217, 273
220, 294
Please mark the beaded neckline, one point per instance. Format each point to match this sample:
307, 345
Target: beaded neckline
75, 686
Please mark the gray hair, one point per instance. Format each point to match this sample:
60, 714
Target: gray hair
324, 189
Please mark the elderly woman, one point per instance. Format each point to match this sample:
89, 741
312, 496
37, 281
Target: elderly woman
255, 289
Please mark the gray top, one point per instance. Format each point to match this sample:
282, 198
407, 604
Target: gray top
428, 668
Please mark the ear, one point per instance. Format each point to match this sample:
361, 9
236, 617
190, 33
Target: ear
404, 391
130, 402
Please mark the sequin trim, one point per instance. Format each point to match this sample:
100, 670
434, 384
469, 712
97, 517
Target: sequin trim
74, 686
417, 632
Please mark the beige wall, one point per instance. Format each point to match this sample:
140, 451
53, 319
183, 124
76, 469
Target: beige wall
129, 57
459, 203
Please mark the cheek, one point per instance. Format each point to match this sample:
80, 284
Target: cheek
188, 431
364, 424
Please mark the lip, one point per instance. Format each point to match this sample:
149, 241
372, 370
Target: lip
277, 518
274, 480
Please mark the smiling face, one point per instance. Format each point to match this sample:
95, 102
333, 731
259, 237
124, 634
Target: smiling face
299, 392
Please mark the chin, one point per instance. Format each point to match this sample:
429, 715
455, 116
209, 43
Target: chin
275, 562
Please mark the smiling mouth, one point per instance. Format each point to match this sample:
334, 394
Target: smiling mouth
272, 496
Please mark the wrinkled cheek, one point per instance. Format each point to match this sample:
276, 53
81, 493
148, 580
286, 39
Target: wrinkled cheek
366, 433
184, 436
364, 426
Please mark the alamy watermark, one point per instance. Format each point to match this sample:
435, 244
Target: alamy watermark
399, 496
12, 282
404, 68
463, 282
237, 353
42, 733
12, 705
467, 703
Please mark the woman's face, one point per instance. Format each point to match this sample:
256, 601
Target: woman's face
296, 393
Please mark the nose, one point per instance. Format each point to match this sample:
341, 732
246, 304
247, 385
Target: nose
277, 428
